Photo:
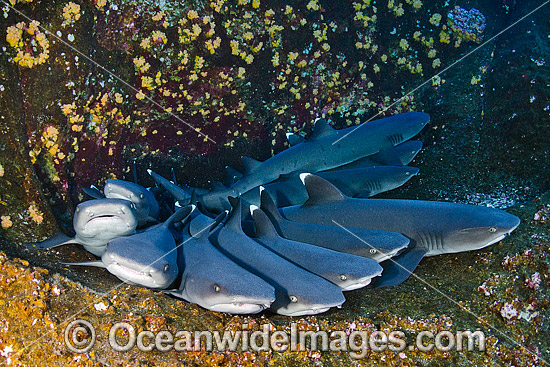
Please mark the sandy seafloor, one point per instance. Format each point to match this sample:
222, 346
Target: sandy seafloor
487, 144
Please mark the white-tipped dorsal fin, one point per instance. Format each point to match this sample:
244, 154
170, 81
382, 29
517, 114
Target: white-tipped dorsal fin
250, 164
321, 128
294, 139
253, 208
319, 190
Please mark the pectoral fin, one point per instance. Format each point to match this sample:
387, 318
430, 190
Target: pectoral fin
59, 239
93, 192
399, 268
95, 263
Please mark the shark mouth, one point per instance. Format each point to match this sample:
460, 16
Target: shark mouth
496, 240
238, 307
104, 217
305, 312
124, 270
358, 284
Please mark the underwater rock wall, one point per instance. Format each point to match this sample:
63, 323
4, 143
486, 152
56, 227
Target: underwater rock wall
202, 82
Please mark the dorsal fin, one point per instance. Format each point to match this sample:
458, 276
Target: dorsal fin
173, 176
217, 186
177, 192
193, 199
201, 226
93, 192
250, 164
321, 128
264, 227
319, 190
234, 221
268, 206
294, 139
232, 175
179, 215
134, 171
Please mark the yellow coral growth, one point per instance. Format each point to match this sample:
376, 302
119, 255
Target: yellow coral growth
71, 13
25, 41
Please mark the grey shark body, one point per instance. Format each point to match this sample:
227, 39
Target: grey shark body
96, 222
345, 270
148, 258
211, 280
326, 149
399, 155
358, 182
181, 194
370, 243
147, 207
297, 291
433, 227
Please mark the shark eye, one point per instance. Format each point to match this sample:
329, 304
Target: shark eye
217, 288
372, 251
293, 299
141, 196
91, 214
166, 267
492, 229
343, 277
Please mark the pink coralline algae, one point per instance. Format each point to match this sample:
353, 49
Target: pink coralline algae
467, 24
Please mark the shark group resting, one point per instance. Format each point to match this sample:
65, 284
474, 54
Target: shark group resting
290, 234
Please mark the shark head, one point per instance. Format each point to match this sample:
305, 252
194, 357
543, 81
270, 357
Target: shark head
144, 201
138, 262
105, 218
407, 151
225, 293
403, 126
479, 227
389, 250
400, 175
297, 305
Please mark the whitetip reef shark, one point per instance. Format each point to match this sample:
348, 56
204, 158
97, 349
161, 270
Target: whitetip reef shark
434, 228
298, 292
148, 258
357, 182
147, 207
213, 281
96, 222
347, 271
325, 149
371, 243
